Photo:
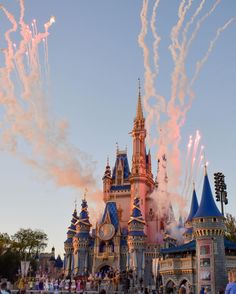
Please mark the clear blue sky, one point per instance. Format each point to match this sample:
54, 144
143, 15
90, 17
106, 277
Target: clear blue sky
95, 62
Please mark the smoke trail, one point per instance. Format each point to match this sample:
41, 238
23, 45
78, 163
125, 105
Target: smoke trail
191, 178
200, 22
189, 148
200, 63
157, 38
150, 91
174, 112
27, 129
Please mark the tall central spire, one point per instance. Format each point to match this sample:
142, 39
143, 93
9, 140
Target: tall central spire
139, 112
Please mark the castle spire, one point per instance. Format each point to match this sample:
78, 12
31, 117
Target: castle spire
194, 206
207, 207
139, 112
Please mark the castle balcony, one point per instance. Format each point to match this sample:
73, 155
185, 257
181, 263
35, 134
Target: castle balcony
106, 256
177, 265
230, 262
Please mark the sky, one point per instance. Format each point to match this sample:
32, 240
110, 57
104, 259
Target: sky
94, 62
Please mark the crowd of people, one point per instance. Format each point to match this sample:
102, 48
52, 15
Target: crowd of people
103, 283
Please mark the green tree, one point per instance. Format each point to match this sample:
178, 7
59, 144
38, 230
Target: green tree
230, 223
27, 242
24, 244
5, 243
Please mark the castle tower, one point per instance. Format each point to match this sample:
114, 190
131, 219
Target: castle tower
141, 178
188, 234
136, 240
119, 185
107, 181
208, 230
81, 241
68, 245
107, 243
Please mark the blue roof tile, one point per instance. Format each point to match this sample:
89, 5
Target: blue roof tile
82, 235
194, 207
120, 187
83, 216
191, 246
229, 244
111, 209
207, 207
59, 262
136, 214
68, 241
123, 157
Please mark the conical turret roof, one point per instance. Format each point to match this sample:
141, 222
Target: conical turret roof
207, 207
71, 228
136, 214
194, 207
83, 216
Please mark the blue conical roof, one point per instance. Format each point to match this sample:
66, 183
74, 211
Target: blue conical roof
83, 216
207, 206
59, 262
194, 207
111, 212
136, 214
72, 228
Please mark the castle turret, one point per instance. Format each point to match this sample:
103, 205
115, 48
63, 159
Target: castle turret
136, 240
188, 234
208, 230
120, 185
81, 240
68, 245
107, 180
141, 178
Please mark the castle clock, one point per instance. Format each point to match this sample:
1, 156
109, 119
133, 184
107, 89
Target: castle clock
106, 232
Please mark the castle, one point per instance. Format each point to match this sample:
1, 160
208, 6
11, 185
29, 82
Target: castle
132, 235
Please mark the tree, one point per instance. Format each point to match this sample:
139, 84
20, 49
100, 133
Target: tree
24, 244
230, 223
5, 243
27, 242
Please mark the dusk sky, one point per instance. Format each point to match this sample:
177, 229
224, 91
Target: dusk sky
95, 62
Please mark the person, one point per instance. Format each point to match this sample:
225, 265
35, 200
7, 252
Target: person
183, 288
4, 288
141, 291
202, 291
102, 291
231, 286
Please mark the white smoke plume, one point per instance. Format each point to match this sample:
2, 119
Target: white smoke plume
28, 128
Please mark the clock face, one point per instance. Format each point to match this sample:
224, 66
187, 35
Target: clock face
106, 231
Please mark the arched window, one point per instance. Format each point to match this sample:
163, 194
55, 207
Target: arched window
102, 247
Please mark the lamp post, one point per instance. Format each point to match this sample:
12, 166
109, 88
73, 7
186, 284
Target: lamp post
220, 190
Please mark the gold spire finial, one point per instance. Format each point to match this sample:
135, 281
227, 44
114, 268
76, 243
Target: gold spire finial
85, 193
75, 203
193, 185
139, 113
205, 163
107, 160
117, 148
139, 87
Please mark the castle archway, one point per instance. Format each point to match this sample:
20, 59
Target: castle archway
104, 269
170, 287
